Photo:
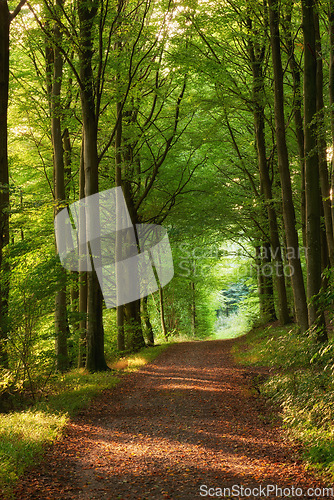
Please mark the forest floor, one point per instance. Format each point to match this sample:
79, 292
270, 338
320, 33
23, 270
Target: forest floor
186, 422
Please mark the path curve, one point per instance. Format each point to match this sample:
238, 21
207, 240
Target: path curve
183, 424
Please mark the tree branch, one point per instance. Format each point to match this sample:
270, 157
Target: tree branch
17, 10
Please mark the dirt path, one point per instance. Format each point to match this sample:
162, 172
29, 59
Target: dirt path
184, 421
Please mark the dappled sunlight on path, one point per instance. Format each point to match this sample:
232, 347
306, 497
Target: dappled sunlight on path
186, 420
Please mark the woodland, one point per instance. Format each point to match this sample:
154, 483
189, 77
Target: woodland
216, 119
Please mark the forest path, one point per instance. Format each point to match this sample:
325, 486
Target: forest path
185, 420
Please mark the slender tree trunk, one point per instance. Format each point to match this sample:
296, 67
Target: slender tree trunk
59, 189
312, 184
135, 339
4, 192
82, 274
83, 322
118, 250
193, 309
87, 11
75, 275
260, 282
132, 310
331, 95
283, 163
67, 160
146, 320
322, 146
5, 20
258, 96
129, 172
162, 313
267, 282
297, 111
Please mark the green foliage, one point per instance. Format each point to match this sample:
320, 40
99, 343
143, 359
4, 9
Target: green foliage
24, 434
22, 438
301, 383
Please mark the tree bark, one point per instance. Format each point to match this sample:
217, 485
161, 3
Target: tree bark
266, 282
260, 281
193, 308
6, 18
283, 164
322, 146
82, 275
297, 111
146, 320
118, 250
331, 95
256, 56
4, 191
87, 11
162, 313
61, 329
312, 186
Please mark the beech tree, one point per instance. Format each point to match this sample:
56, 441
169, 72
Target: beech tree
312, 186
284, 169
56, 66
257, 51
6, 18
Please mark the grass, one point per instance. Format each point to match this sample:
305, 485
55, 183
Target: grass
301, 382
25, 434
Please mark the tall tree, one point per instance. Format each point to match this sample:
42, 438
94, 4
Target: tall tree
312, 186
61, 326
83, 274
87, 13
322, 144
6, 17
257, 52
331, 90
284, 169
289, 44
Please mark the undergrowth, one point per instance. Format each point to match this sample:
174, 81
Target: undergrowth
24, 434
301, 381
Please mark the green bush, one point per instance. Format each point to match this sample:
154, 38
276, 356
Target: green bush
302, 384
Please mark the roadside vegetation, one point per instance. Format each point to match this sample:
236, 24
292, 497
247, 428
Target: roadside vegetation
300, 381
25, 432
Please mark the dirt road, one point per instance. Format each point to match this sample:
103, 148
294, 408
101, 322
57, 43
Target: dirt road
183, 428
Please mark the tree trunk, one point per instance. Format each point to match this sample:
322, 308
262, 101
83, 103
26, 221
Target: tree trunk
260, 282
146, 320
135, 339
312, 186
322, 146
59, 189
258, 96
193, 309
82, 275
134, 323
118, 250
162, 313
132, 309
4, 192
297, 111
331, 94
95, 360
267, 283
283, 163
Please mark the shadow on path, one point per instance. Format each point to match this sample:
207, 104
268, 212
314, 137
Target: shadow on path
184, 421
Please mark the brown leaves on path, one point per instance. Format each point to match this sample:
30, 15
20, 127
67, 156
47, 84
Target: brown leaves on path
183, 424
